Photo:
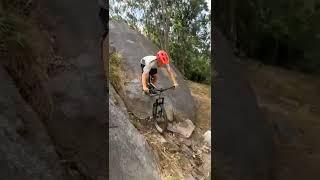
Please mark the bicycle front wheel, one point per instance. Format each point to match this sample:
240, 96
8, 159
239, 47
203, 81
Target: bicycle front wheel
161, 120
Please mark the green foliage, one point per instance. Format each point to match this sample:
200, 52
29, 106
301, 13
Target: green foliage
115, 71
191, 43
199, 70
283, 33
13, 35
18, 55
180, 27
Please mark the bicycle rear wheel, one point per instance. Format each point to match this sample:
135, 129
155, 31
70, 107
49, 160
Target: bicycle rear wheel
161, 120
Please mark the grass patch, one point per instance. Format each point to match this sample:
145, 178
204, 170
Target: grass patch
19, 57
277, 82
168, 161
116, 73
290, 99
13, 37
202, 97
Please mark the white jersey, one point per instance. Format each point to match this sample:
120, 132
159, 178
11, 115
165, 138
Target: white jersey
150, 62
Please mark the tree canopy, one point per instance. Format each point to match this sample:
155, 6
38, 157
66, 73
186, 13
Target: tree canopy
180, 27
284, 33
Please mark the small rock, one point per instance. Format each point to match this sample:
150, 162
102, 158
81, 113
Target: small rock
207, 137
206, 166
185, 163
187, 142
162, 139
194, 147
186, 151
184, 128
200, 174
198, 160
206, 149
171, 147
180, 140
189, 177
197, 176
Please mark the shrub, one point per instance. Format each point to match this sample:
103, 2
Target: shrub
115, 71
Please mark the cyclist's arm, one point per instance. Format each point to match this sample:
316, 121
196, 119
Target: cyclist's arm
144, 80
171, 74
144, 76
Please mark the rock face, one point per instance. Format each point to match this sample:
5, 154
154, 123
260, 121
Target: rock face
130, 156
243, 139
26, 151
79, 123
133, 46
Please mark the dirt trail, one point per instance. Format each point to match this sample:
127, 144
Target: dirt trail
179, 157
242, 135
202, 95
290, 101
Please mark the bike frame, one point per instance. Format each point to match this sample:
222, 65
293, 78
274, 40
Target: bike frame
156, 106
159, 100
158, 110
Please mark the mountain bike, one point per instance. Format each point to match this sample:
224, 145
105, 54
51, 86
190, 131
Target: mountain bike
159, 115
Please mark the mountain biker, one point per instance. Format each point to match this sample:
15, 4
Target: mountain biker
149, 65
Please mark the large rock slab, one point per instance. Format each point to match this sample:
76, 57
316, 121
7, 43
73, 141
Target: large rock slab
26, 150
130, 156
133, 46
242, 136
79, 124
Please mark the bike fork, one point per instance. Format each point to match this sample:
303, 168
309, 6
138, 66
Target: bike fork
157, 111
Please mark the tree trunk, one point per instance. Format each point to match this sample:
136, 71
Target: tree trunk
164, 23
182, 57
166, 35
158, 29
1, 6
275, 52
233, 23
182, 65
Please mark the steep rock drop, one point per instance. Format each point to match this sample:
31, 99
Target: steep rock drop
243, 138
130, 156
181, 151
133, 46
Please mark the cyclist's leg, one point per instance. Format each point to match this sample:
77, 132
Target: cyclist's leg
154, 78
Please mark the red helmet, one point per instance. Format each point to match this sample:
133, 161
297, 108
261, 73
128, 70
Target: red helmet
163, 57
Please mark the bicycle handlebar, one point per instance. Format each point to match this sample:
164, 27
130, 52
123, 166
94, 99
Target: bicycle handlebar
159, 90
164, 89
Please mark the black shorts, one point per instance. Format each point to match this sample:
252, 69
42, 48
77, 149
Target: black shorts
152, 71
104, 15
